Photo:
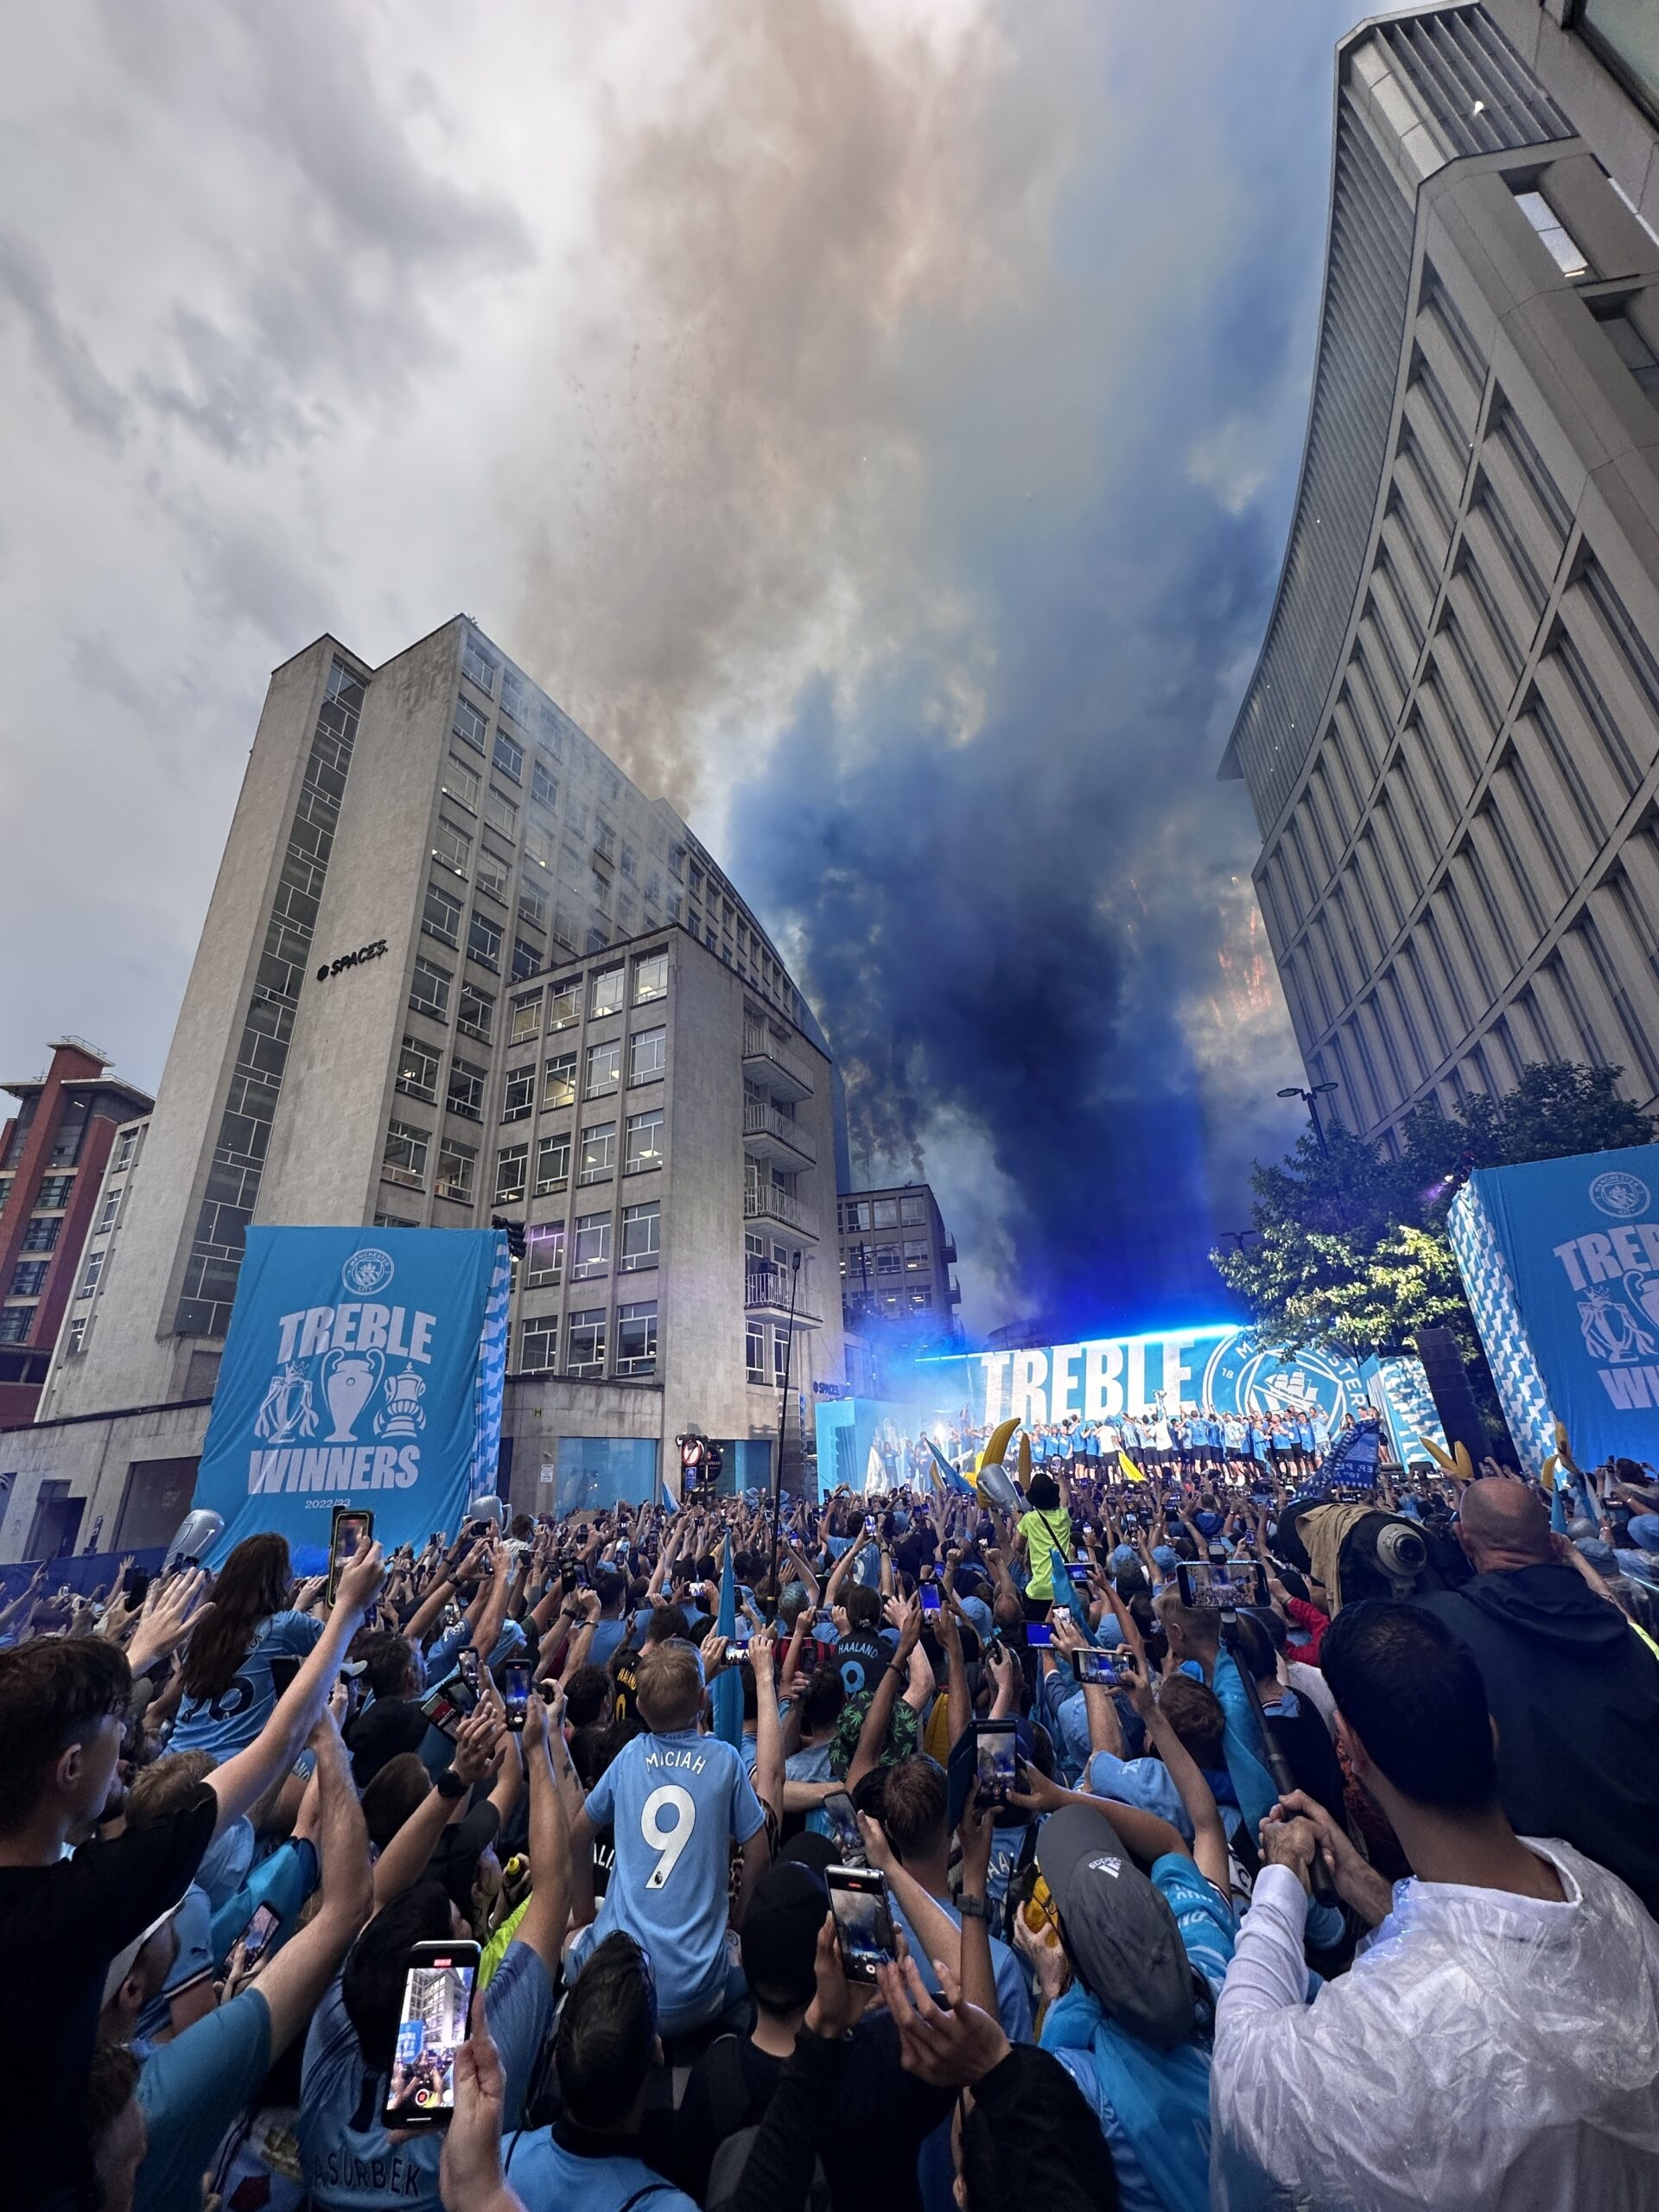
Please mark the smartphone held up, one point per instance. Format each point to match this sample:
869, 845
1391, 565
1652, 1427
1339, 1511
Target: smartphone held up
864, 1931
351, 1527
431, 2028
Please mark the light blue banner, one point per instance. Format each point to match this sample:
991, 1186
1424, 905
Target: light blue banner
1560, 1262
362, 1367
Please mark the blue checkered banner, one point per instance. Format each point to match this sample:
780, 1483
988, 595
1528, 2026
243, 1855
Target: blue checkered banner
1560, 1262
362, 1367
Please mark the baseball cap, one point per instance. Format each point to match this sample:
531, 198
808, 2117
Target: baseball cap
1119, 1931
1166, 1556
780, 1938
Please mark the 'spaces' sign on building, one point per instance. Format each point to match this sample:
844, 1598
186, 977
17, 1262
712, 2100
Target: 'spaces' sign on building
1560, 1261
362, 1367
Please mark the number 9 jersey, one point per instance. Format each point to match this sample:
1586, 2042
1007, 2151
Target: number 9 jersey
676, 1804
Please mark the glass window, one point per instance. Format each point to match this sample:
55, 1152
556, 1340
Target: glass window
526, 959
532, 905
417, 1069
457, 1169
94, 1269
515, 698
636, 1338
428, 993
478, 664
518, 1100
912, 1212
14, 1323
586, 1352
642, 1229
501, 814
493, 873
565, 1008
559, 1081
539, 1345
591, 1251
887, 1213
55, 1189
547, 722
780, 1355
467, 1081
553, 1163
607, 991
469, 725
604, 1069
452, 847
886, 1259
404, 1159
1626, 34
650, 978
483, 941
512, 1172
476, 1012
543, 1253
29, 1277
1568, 256
920, 1298
647, 1054
644, 1140
461, 782
106, 1218
543, 784
598, 1161
538, 846
440, 916
628, 862
526, 1019
755, 1352
509, 757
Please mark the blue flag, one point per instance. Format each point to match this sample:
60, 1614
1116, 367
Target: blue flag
728, 1689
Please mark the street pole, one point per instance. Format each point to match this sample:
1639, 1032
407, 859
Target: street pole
783, 1420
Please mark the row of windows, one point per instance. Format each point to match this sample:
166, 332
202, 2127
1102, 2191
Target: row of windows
883, 1213
606, 988
862, 1262
589, 1238
585, 1337
408, 1150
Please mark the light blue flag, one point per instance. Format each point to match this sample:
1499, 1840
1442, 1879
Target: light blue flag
728, 1689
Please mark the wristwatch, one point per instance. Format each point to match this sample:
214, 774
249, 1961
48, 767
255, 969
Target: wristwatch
451, 1786
974, 1909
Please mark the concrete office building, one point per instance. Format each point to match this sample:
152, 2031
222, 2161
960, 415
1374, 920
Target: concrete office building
1451, 739
456, 964
896, 1257
52, 1155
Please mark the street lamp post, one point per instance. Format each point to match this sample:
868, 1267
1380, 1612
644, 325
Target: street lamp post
1311, 1100
1238, 1237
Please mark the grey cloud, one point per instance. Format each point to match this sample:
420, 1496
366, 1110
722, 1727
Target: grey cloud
60, 354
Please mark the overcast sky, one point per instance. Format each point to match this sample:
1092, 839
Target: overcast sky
874, 420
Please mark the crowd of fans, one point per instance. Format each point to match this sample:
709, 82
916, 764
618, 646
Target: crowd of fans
1196, 1442
1052, 1857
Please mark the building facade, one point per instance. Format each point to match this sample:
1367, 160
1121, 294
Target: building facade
1451, 739
53, 1151
456, 966
896, 1257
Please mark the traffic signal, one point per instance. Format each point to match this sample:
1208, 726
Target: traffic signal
515, 1234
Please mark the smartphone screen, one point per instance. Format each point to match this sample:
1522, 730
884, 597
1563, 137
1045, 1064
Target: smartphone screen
1240, 1582
930, 1598
252, 1943
1078, 1571
837, 1809
515, 1694
431, 2028
858, 1898
870, 1524
467, 1661
352, 1525
1093, 1666
1039, 1634
994, 1760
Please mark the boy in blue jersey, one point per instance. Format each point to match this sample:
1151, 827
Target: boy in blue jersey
676, 1801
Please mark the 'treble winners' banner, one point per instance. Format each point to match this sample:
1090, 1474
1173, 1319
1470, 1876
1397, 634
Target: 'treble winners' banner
1560, 1262
362, 1367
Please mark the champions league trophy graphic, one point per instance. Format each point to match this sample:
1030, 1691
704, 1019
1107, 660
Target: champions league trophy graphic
401, 1415
349, 1384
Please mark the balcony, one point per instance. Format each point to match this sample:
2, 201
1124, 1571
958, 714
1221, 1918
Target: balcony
950, 1251
952, 1292
761, 1201
765, 1291
770, 1061
768, 1135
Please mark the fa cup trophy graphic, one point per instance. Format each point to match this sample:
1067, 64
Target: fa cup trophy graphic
349, 1384
401, 1415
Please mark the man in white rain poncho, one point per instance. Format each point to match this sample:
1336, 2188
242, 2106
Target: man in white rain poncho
1495, 2047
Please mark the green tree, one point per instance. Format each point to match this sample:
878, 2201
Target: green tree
1350, 1249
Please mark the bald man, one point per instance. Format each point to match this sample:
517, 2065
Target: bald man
1573, 1690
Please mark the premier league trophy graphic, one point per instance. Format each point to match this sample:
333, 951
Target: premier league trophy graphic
349, 1384
401, 1415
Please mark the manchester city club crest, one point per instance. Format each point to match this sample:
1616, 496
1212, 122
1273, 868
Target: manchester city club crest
368, 1271
1619, 1193
1238, 1377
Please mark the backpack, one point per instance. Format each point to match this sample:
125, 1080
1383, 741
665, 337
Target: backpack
728, 2099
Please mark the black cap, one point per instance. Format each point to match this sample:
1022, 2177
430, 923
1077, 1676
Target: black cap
780, 1933
1120, 1933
